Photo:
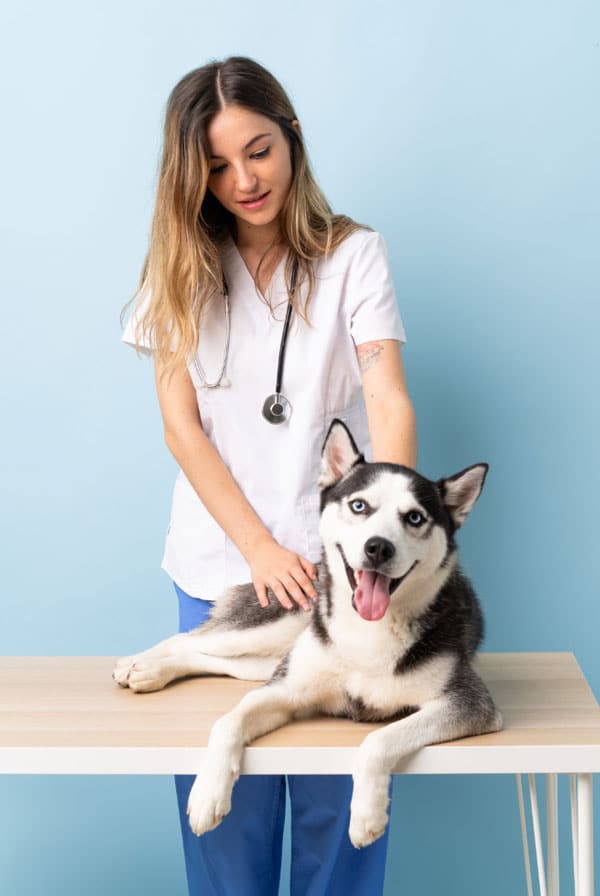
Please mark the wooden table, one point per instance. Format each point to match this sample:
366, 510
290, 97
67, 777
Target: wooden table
65, 715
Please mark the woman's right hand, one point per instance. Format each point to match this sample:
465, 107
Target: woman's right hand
284, 572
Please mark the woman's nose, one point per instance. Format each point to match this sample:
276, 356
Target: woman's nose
246, 179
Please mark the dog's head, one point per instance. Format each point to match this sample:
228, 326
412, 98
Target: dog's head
386, 521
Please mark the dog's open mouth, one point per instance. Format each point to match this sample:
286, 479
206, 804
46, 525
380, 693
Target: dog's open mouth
371, 590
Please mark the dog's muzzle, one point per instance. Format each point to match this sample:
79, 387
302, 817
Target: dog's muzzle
371, 589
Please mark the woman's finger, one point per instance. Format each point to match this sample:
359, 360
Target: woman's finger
279, 592
261, 593
294, 590
304, 581
309, 568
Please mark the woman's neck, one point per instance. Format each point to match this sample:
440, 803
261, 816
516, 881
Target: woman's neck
257, 240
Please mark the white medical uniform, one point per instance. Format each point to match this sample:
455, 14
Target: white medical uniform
277, 466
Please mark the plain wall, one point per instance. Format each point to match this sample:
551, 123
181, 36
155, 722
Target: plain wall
468, 134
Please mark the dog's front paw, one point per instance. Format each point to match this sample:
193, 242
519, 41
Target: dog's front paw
210, 797
368, 809
367, 823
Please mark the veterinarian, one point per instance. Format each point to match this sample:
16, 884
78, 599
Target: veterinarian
254, 355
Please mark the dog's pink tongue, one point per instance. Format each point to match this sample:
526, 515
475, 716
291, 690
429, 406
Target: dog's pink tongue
372, 595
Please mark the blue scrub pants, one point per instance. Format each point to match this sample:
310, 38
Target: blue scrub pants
242, 856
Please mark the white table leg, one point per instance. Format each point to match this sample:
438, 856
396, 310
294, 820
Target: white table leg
552, 833
585, 830
524, 836
537, 836
574, 832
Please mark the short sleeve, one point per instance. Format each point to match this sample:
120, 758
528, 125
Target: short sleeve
371, 308
146, 343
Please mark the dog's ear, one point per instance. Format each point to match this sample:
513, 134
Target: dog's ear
338, 454
459, 492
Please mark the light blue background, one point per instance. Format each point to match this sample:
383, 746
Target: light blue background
468, 134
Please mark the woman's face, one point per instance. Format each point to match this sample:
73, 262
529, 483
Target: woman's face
249, 156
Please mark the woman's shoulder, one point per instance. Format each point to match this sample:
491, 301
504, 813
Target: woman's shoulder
357, 237
356, 243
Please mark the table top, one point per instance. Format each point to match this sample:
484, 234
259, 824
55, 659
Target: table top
66, 715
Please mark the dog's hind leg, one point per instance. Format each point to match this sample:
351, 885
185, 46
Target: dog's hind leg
153, 674
176, 645
271, 640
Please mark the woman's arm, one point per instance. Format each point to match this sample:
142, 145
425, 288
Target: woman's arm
390, 414
285, 572
203, 465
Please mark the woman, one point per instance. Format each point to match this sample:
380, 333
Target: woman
240, 229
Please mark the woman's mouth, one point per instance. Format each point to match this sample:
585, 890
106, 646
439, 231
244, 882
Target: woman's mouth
256, 203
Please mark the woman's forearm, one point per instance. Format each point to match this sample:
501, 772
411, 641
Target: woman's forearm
216, 488
394, 434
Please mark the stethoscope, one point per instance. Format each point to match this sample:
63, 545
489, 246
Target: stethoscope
276, 407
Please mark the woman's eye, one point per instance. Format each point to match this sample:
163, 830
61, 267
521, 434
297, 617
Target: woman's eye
358, 506
257, 155
415, 518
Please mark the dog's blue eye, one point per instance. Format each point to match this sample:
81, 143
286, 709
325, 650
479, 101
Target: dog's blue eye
362, 506
415, 518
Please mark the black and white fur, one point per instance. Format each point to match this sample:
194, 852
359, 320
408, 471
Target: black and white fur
412, 665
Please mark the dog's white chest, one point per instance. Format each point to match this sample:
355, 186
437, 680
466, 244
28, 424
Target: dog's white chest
383, 690
366, 657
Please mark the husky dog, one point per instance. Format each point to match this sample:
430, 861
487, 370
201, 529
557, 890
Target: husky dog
390, 637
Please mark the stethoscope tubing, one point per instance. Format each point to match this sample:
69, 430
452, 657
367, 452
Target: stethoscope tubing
276, 408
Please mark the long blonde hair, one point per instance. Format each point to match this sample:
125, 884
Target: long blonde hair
182, 268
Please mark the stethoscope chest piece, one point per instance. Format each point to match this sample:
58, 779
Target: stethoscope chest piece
276, 408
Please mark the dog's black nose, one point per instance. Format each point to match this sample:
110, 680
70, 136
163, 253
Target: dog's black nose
379, 550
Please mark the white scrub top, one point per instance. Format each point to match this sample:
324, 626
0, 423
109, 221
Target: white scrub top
277, 466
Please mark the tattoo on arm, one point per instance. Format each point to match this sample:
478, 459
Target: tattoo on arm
368, 353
